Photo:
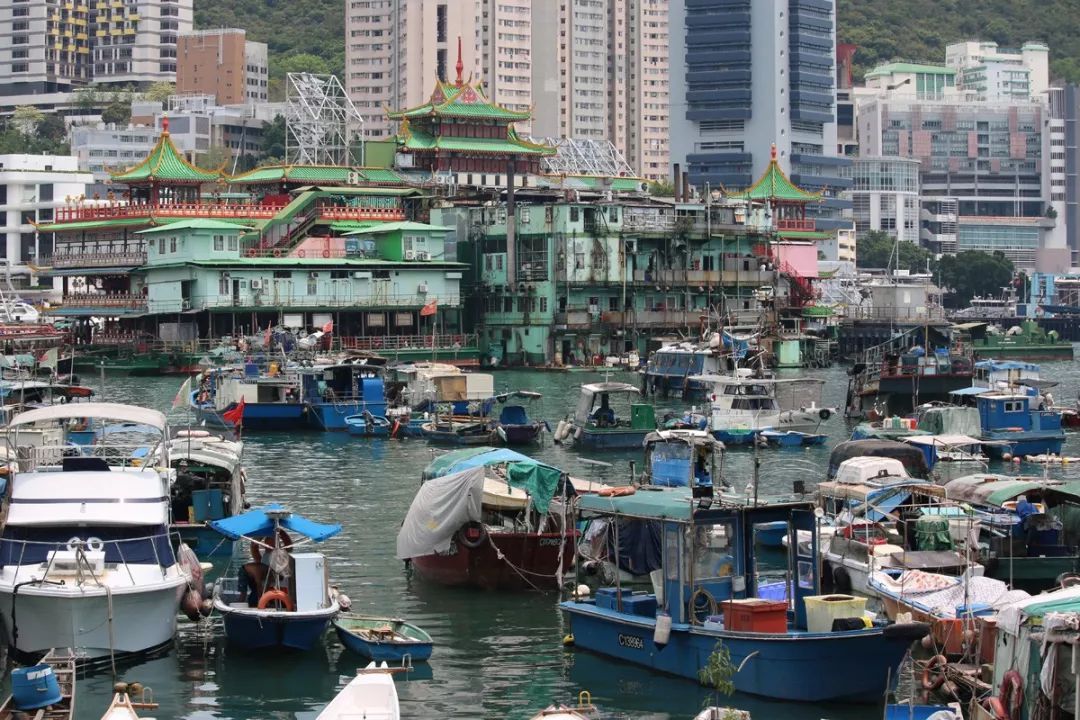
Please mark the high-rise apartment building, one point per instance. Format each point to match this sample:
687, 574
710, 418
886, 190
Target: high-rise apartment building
992, 73
587, 68
750, 74
222, 63
50, 46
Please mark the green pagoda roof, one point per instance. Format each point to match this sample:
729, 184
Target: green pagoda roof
775, 185
459, 100
195, 224
412, 139
315, 174
166, 164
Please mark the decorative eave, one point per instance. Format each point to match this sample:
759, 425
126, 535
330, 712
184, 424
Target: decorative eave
165, 163
774, 185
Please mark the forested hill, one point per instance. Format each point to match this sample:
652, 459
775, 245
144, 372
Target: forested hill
310, 34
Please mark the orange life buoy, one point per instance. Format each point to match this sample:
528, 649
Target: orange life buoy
1012, 694
251, 252
278, 596
995, 708
326, 253
301, 253
619, 491
277, 252
932, 680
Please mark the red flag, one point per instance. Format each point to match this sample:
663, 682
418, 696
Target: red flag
266, 336
328, 327
429, 309
236, 415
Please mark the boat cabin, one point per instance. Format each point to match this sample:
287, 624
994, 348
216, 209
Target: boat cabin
1010, 411
692, 458
612, 406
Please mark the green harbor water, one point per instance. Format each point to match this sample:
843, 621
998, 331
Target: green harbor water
497, 656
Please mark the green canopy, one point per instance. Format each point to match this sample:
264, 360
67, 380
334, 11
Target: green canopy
540, 481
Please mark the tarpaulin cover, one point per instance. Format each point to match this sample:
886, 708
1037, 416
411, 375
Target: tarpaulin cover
540, 481
640, 549
439, 509
257, 523
951, 421
993, 490
913, 459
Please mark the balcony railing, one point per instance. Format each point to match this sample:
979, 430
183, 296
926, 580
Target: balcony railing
790, 224
119, 211
125, 301
345, 300
342, 212
409, 342
110, 259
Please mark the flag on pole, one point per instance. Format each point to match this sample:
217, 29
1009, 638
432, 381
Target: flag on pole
50, 359
236, 415
429, 309
182, 393
328, 327
267, 336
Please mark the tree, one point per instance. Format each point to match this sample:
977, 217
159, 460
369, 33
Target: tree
117, 112
974, 272
878, 249
273, 141
661, 188
27, 118
53, 128
160, 92
217, 156
87, 99
302, 62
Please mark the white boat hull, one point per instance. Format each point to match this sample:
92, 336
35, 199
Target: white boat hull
69, 617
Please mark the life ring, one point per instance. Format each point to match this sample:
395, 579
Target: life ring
619, 491
301, 253
277, 252
1012, 694
825, 413
933, 675
251, 252
993, 706
278, 596
283, 541
95, 544
1067, 579
463, 535
326, 253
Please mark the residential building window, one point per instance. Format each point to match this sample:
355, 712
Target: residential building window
45, 192
498, 262
312, 285
219, 242
161, 246
508, 303
234, 243
172, 245
224, 285
543, 304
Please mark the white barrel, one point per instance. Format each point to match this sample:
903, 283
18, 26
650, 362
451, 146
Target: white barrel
663, 629
561, 430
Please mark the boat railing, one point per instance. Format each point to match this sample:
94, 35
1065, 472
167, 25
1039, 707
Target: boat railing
42, 458
84, 558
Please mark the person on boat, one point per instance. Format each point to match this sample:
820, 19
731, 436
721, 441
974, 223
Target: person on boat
604, 415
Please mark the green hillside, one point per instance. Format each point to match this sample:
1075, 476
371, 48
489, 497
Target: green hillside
309, 34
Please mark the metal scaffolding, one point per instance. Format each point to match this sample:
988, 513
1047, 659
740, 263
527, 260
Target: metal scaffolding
321, 121
581, 156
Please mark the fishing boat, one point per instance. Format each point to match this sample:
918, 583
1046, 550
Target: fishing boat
370, 695
383, 639
598, 425
367, 424
514, 426
1029, 551
791, 438
912, 458
891, 382
791, 656
127, 700
282, 597
682, 458
948, 448
672, 369
332, 393
459, 430
1026, 341
86, 556
45, 691
1016, 424
744, 404
209, 485
271, 400
490, 518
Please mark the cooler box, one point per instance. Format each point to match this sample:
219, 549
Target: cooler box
642, 417
643, 604
608, 597
207, 505
755, 615
821, 610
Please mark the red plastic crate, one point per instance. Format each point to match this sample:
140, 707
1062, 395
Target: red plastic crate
754, 615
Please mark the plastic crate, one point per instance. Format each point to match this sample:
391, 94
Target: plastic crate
755, 615
821, 610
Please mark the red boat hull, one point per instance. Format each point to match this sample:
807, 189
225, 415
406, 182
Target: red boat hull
529, 562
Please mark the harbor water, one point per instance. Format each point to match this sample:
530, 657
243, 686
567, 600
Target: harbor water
497, 655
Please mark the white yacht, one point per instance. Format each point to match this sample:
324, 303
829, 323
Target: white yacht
744, 404
85, 557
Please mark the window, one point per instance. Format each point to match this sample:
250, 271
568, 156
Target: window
219, 242
234, 243
498, 262
543, 304
224, 285
508, 303
172, 245
312, 285
161, 246
45, 192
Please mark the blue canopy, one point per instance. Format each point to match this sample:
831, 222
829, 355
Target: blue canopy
1006, 365
256, 524
971, 391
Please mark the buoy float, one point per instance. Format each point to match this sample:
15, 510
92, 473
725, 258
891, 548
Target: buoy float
568, 640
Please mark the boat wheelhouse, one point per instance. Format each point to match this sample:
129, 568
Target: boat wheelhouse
1016, 424
743, 405
608, 417
681, 458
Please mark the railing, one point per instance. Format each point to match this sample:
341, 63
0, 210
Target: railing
138, 210
407, 342
789, 224
111, 259
270, 299
277, 252
342, 212
105, 300
899, 314
654, 318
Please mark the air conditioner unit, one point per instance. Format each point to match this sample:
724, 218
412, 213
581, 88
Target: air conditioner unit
421, 288
361, 275
423, 255
410, 254
354, 177
256, 284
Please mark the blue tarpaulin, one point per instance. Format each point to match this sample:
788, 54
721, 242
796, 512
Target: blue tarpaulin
257, 523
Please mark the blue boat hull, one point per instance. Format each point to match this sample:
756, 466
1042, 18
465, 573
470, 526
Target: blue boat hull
257, 416
255, 632
611, 439
802, 667
1033, 445
389, 652
331, 416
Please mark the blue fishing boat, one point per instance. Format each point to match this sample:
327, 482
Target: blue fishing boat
383, 639
679, 458
209, 485
598, 425
335, 392
783, 649
791, 438
771, 534
281, 598
368, 425
1016, 424
271, 400
514, 426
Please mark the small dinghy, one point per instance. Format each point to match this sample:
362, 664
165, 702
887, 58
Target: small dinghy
383, 639
370, 695
123, 707
584, 710
791, 438
45, 691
